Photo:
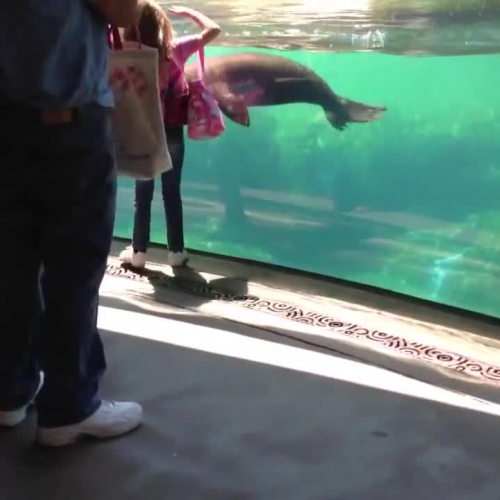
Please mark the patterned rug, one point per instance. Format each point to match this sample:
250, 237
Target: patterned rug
292, 312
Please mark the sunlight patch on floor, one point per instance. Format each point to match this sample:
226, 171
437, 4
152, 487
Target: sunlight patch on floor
224, 343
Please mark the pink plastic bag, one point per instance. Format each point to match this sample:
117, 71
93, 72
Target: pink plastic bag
205, 119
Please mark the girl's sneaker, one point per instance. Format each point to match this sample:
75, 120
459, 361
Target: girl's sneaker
135, 259
178, 259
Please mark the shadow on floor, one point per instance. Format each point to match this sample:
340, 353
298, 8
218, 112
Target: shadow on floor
188, 280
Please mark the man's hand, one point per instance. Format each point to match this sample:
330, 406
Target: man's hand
120, 13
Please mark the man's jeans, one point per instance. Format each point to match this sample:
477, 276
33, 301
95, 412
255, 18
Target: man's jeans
57, 206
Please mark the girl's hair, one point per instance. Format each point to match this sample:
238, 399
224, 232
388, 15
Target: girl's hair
154, 29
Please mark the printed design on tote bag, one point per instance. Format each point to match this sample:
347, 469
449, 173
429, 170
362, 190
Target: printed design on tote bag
122, 80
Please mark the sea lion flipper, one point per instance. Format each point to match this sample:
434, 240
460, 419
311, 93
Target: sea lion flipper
231, 104
236, 111
241, 117
362, 113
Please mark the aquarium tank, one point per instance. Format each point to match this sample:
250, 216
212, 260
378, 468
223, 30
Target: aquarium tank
409, 203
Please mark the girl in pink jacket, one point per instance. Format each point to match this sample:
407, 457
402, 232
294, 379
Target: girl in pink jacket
155, 30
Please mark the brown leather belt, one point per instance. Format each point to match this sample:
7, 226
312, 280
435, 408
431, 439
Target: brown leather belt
57, 116
45, 117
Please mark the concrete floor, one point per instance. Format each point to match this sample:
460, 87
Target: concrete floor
233, 414
240, 405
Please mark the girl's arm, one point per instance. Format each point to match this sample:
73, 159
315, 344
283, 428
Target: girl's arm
210, 29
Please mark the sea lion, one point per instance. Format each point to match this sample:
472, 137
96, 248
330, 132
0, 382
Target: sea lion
242, 80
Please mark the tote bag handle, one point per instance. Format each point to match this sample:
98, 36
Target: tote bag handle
115, 40
200, 59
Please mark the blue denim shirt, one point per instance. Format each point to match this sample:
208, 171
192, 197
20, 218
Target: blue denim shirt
53, 54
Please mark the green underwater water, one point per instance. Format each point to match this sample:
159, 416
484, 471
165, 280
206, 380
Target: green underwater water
410, 203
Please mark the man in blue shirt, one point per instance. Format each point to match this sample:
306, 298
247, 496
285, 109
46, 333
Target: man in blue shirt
57, 204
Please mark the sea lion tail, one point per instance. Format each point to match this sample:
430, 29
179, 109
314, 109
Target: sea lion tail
362, 113
348, 111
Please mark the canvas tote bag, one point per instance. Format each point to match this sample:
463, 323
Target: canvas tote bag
141, 144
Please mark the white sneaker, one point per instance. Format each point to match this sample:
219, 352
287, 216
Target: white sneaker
110, 420
135, 259
15, 417
178, 259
